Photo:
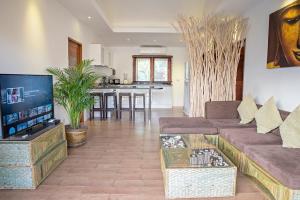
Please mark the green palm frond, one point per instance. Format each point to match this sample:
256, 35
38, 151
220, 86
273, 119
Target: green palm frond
72, 89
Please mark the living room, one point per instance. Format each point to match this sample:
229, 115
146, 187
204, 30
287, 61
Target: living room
112, 99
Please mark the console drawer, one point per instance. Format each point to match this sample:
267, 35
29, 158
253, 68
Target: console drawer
46, 142
52, 160
45, 166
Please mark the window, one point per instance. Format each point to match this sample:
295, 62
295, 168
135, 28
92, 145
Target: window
152, 68
161, 67
143, 69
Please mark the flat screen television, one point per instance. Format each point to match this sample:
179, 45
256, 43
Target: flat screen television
26, 103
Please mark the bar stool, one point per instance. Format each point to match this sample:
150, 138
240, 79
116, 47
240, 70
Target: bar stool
115, 104
135, 109
94, 109
129, 108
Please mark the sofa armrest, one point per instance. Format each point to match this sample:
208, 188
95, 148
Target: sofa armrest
222, 109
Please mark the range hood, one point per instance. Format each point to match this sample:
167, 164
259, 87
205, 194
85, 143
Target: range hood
104, 66
101, 57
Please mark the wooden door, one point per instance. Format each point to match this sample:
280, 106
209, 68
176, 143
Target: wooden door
74, 52
75, 57
240, 76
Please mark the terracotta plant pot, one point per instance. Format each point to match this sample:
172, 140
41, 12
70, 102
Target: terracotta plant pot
76, 137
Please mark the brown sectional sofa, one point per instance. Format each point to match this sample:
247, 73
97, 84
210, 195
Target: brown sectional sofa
218, 115
258, 155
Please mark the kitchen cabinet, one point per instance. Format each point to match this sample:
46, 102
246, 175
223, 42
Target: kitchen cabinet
162, 98
100, 55
95, 52
107, 57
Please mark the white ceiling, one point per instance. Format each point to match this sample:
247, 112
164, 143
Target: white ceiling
146, 22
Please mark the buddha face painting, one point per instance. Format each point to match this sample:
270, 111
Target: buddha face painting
289, 34
284, 37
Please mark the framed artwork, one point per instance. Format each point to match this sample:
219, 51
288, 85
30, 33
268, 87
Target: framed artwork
284, 37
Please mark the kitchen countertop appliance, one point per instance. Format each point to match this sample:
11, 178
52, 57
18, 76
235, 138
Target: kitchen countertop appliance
116, 81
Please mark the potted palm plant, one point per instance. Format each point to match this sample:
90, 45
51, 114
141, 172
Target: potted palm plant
72, 92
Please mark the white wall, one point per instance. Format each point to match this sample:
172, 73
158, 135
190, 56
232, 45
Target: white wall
122, 62
262, 83
34, 36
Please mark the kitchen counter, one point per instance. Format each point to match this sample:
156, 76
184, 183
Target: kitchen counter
160, 95
129, 87
134, 86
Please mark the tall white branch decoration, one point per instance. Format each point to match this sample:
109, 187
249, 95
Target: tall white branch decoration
214, 44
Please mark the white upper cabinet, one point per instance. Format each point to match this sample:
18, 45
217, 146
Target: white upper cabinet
96, 54
107, 57
99, 54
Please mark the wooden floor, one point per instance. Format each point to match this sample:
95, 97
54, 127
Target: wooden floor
119, 162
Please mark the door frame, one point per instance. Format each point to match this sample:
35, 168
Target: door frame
79, 59
79, 53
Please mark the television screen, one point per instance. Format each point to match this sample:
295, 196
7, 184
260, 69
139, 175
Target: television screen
26, 101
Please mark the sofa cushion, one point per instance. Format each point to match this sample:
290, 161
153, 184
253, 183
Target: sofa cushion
247, 110
290, 130
188, 125
281, 163
230, 123
268, 117
243, 137
222, 109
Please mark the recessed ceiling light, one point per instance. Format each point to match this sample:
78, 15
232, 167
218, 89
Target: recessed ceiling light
89, 17
128, 39
154, 40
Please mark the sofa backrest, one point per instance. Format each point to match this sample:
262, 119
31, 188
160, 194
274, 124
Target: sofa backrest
228, 110
284, 114
222, 109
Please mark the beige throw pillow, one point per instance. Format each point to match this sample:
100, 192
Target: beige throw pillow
247, 110
290, 130
268, 117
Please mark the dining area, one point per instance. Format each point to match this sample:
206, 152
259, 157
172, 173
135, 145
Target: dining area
113, 101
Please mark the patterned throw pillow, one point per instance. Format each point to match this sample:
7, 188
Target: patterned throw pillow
247, 110
290, 130
268, 117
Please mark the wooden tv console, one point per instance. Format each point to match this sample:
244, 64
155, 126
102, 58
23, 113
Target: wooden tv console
25, 164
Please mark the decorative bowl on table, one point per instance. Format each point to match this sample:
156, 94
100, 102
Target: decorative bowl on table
172, 142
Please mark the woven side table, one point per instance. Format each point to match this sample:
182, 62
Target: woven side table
183, 180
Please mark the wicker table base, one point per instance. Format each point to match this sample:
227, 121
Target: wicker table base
182, 180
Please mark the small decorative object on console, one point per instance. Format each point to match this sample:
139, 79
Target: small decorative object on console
53, 121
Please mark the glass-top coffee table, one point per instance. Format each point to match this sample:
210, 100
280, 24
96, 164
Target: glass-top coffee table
194, 167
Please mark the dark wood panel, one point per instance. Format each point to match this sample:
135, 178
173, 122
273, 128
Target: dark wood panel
239, 90
240, 76
74, 52
75, 57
